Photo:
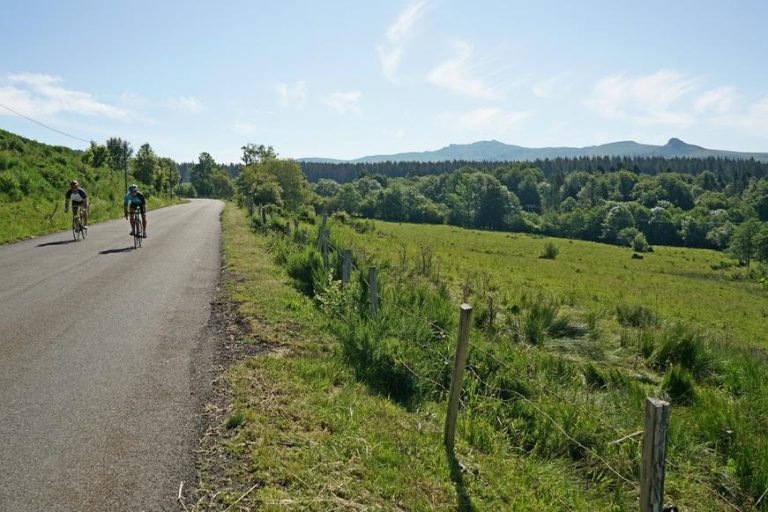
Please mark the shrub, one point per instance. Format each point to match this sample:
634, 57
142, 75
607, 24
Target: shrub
639, 244
550, 251
306, 270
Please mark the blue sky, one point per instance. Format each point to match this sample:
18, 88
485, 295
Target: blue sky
344, 79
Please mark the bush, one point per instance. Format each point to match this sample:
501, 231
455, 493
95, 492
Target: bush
639, 244
306, 270
550, 251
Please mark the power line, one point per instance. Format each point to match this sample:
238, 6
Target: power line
43, 125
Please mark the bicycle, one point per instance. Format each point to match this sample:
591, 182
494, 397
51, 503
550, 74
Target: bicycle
78, 229
138, 229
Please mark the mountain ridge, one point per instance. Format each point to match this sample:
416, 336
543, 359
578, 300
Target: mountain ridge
494, 150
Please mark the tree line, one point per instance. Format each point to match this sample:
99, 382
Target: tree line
727, 168
721, 211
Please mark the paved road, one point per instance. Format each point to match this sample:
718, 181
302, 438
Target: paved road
100, 346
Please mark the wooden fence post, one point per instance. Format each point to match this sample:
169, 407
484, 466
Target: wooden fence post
457, 379
372, 291
654, 446
346, 266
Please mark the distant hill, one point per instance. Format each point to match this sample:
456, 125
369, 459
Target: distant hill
495, 151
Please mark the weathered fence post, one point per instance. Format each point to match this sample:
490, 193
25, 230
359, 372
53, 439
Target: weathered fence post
372, 291
457, 379
346, 265
654, 446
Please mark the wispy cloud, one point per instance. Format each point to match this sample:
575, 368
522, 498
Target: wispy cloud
719, 100
459, 74
547, 87
344, 102
754, 119
390, 53
39, 95
649, 99
244, 128
186, 104
292, 95
489, 120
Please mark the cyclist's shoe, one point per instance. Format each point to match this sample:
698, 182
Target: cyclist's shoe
144, 235
132, 233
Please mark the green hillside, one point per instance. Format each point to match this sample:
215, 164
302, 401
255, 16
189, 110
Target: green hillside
34, 178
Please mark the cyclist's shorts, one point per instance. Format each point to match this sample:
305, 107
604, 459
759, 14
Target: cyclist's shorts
133, 208
76, 206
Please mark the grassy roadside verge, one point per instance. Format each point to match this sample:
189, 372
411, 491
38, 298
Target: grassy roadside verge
296, 431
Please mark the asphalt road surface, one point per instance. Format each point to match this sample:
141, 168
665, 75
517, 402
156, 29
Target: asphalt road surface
101, 347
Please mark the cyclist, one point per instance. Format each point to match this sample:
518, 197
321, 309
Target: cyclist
135, 199
79, 199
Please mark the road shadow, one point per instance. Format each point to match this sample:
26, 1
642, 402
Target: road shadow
114, 251
464, 501
60, 242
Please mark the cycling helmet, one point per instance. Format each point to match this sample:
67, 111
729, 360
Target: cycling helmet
133, 188
74, 183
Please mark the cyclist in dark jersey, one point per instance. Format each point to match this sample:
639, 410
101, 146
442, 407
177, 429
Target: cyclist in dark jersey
135, 200
78, 198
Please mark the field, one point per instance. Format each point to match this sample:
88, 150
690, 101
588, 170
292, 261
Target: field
563, 352
695, 285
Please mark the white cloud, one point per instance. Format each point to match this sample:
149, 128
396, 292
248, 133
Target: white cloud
186, 104
38, 95
397, 35
754, 119
343, 102
719, 100
458, 74
489, 120
244, 128
649, 99
292, 95
547, 87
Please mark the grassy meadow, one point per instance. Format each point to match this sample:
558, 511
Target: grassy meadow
695, 285
346, 411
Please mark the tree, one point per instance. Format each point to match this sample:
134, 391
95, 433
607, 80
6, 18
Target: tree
743, 246
221, 184
201, 175
96, 155
119, 152
145, 165
619, 217
761, 244
757, 197
274, 179
253, 153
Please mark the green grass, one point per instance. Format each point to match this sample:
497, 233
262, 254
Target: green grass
34, 178
315, 437
347, 411
670, 282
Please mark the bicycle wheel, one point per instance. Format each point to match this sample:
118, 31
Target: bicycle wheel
137, 230
76, 231
83, 229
